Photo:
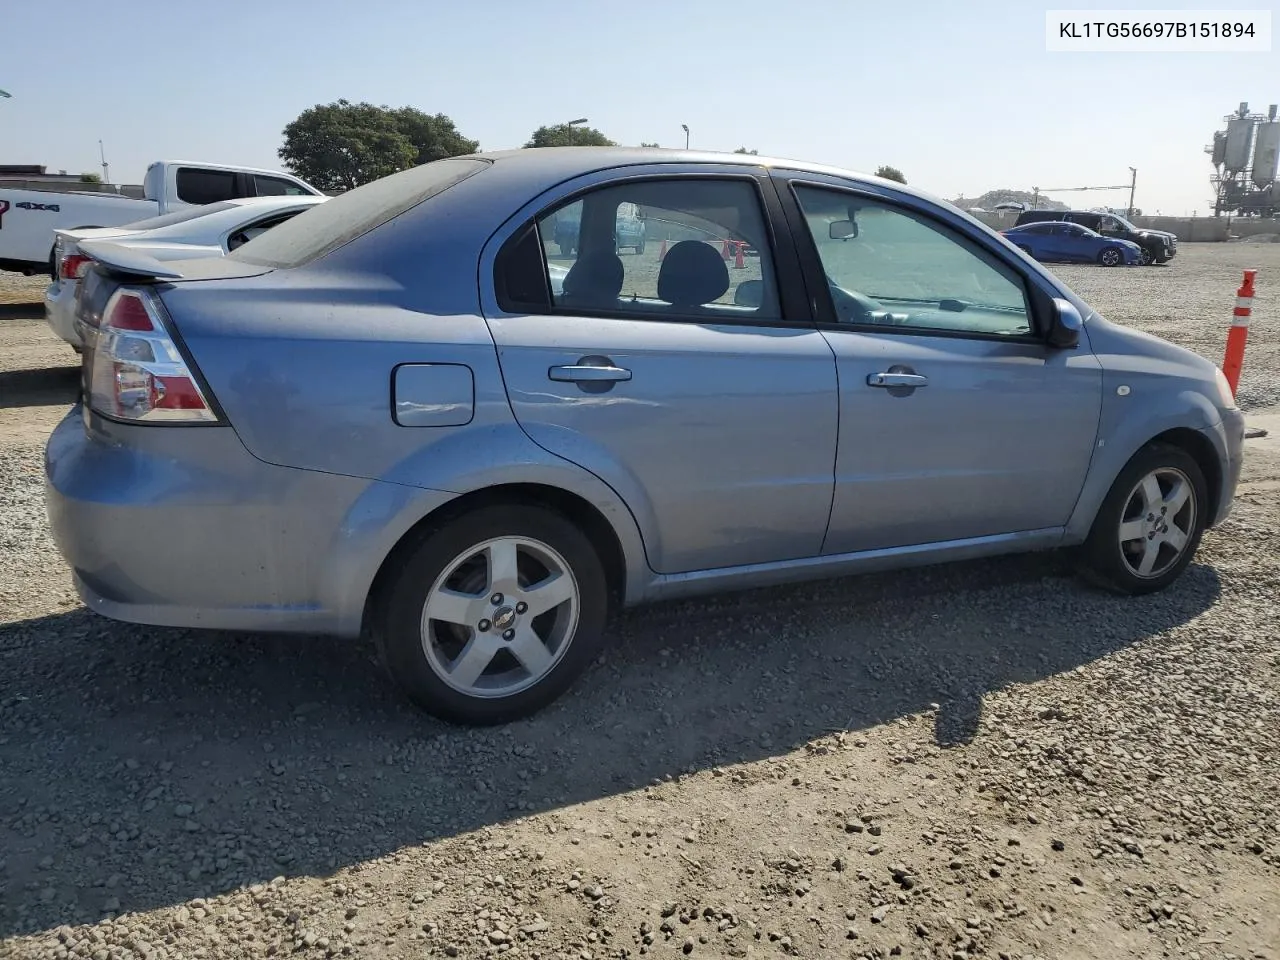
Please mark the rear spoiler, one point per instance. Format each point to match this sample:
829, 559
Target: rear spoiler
121, 259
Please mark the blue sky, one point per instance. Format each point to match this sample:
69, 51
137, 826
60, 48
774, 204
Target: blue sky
961, 96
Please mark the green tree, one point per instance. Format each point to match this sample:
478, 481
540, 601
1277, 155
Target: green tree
563, 135
90, 178
643, 144
433, 136
341, 145
746, 151
890, 173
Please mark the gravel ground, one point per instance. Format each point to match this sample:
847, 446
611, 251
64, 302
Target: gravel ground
15, 288
985, 759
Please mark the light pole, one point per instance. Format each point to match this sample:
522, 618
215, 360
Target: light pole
1133, 185
568, 126
685, 128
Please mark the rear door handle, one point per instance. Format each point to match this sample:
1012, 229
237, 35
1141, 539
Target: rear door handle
896, 380
588, 373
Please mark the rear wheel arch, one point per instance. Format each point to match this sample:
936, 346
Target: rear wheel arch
604, 539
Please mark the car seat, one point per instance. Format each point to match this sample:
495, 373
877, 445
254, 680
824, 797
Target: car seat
595, 280
692, 275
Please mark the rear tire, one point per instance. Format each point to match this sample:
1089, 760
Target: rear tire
1150, 524
1110, 256
467, 659
640, 248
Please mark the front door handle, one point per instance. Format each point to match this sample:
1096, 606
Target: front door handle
588, 373
896, 380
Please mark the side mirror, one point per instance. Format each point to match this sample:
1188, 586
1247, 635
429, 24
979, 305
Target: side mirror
1065, 325
842, 230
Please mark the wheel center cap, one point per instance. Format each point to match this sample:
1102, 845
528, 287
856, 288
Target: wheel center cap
503, 617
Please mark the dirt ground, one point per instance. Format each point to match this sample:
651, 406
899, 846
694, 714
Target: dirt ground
981, 760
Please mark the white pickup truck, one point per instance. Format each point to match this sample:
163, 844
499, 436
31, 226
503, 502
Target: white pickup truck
29, 217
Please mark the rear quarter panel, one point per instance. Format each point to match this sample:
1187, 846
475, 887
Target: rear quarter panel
302, 361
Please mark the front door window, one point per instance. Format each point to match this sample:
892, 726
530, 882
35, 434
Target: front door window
890, 267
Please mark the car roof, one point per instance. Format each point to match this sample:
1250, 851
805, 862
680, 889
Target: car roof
205, 165
551, 165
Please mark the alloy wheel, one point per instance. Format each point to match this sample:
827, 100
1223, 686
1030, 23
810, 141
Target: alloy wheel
500, 617
1157, 523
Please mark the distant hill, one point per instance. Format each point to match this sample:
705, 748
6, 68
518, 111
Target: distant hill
989, 200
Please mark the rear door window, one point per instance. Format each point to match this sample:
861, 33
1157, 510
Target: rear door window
705, 252
206, 186
278, 187
254, 230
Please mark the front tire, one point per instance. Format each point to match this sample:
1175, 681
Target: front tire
494, 615
1148, 258
1150, 524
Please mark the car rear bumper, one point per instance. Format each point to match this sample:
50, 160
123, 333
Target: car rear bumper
60, 312
181, 526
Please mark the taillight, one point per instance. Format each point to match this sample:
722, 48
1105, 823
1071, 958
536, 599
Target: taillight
137, 372
73, 266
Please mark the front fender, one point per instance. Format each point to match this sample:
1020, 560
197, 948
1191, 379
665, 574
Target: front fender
1127, 428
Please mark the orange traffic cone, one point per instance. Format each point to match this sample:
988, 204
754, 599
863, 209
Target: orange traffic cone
739, 262
1239, 332
662, 254
724, 250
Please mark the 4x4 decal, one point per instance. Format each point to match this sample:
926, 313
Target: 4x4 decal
5, 206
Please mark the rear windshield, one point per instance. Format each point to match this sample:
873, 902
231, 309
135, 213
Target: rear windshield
181, 216
329, 225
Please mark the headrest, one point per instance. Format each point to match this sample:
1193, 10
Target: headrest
692, 274
595, 276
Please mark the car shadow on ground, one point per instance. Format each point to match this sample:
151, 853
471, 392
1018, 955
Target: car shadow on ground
257, 756
45, 387
21, 311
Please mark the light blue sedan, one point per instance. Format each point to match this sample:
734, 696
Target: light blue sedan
391, 414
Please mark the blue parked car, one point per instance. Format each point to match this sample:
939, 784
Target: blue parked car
392, 414
1056, 241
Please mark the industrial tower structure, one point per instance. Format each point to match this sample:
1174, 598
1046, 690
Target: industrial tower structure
1245, 157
